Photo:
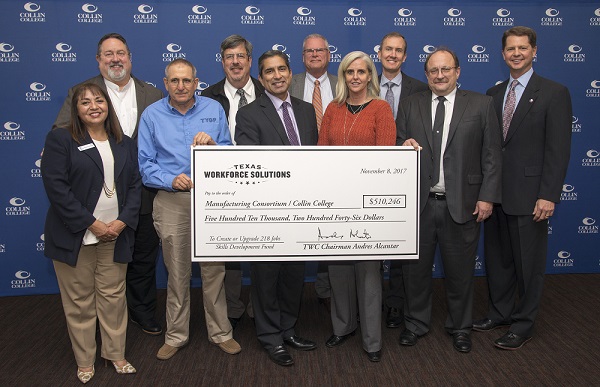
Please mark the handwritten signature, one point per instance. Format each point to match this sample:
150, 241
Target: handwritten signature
353, 234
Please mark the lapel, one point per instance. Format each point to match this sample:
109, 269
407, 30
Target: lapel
530, 95
460, 104
299, 83
424, 104
406, 87
92, 152
119, 155
300, 121
499, 99
333, 84
140, 97
273, 117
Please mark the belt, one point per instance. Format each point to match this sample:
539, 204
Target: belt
437, 195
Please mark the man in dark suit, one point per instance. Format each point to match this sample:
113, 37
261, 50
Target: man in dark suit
234, 91
395, 86
535, 115
276, 118
458, 134
129, 97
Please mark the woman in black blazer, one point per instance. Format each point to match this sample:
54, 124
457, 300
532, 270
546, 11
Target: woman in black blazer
90, 173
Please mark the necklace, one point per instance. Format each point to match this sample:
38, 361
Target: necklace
109, 192
358, 110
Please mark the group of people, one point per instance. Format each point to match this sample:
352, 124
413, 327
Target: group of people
498, 159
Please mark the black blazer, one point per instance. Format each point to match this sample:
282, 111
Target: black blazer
217, 92
73, 180
259, 124
410, 86
538, 144
472, 160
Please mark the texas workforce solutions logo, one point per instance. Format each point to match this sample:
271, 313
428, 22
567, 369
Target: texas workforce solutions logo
8, 53
37, 93
551, 18
427, 49
11, 131
454, 19
199, 15
574, 54
588, 226
503, 19
405, 18
594, 90
304, 17
64, 53
173, 52
478, 54
252, 16
22, 280
591, 159
145, 15
16, 207
355, 18
595, 20
90, 14
568, 193
32, 14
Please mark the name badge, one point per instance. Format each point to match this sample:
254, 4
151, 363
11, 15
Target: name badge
86, 146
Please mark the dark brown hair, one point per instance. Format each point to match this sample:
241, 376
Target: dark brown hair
77, 128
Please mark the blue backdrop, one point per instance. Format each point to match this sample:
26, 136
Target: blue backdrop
49, 45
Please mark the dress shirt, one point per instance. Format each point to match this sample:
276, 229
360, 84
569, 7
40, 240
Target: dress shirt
396, 90
449, 107
165, 137
234, 100
124, 103
325, 85
277, 103
520, 88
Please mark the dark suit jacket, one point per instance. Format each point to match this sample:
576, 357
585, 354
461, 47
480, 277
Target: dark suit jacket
538, 144
73, 180
410, 86
217, 92
297, 86
472, 159
259, 124
145, 96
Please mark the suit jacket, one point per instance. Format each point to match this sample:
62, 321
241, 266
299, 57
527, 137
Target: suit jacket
536, 152
74, 179
297, 86
217, 92
145, 96
472, 159
259, 124
410, 86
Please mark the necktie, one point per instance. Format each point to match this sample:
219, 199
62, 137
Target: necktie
243, 101
389, 95
289, 127
438, 131
509, 108
317, 103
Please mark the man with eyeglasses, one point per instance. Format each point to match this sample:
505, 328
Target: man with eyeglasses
129, 97
167, 130
459, 138
233, 92
395, 86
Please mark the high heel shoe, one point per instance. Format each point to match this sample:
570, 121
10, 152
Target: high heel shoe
85, 376
124, 369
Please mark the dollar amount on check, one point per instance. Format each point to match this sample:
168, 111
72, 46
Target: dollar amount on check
304, 203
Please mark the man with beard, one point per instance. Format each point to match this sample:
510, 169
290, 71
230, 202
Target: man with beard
129, 97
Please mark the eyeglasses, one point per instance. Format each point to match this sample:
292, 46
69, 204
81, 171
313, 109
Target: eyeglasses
314, 50
111, 55
239, 56
445, 71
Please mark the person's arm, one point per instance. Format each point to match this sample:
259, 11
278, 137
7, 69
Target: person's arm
152, 175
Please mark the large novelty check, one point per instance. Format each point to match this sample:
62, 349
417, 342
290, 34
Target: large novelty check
304, 203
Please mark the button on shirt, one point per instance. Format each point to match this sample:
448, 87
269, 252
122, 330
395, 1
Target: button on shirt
449, 105
396, 90
165, 137
124, 103
234, 100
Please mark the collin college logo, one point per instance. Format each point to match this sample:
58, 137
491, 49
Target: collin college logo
568, 193
303, 17
405, 18
591, 159
334, 57
64, 53
576, 125
563, 259
252, 16
427, 49
39, 246
594, 90
280, 47
11, 131
588, 226
201, 86
37, 172
173, 52
595, 20
478, 263
355, 18
478, 55
453, 19
22, 280
374, 57
551, 18
17, 207
8, 53
90, 14
38, 93
145, 15
502, 18
199, 15
574, 54
32, 14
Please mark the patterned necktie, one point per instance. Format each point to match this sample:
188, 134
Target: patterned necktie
509, 108
438, 131
243, 101
289, 127
389, 95
317, 103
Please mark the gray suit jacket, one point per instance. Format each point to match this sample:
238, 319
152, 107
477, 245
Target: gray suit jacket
297, 86
472, 159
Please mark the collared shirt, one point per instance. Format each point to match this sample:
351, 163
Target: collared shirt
520, 88
125, 104
278, 103
383, 88
449, 108
325, 85
234, 101
165, 137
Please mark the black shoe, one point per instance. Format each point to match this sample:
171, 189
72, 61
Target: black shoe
234, 321
511, 341
394, 318
374, 356
485, 324
461, 342
151, 326
280, 356
299, 343
408, 338
336, 340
